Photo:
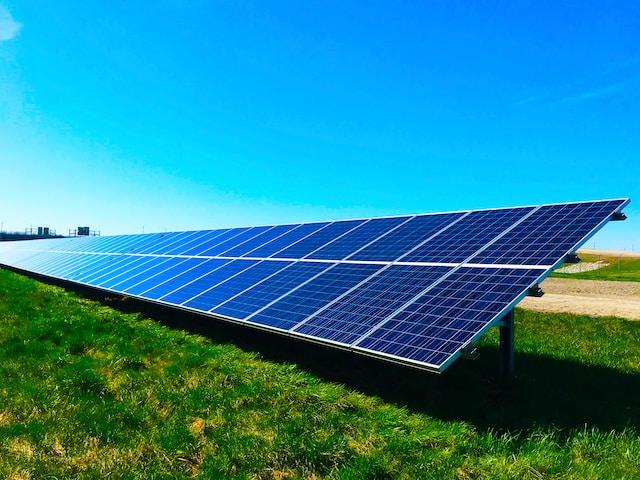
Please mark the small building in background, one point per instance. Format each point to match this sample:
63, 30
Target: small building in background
84, 232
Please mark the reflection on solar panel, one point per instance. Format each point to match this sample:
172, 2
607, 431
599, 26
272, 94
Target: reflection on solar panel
416, 289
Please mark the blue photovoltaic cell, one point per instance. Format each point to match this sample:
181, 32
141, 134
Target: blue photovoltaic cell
155, 243
140, 264
75, 244
289, 238
132, 247
440, 322
121, 245
457, 243
40, 261
194, 242
357, 238
404, 238
167, 242
13, 258
138, 272
270, 289
234, 241
257, 241
298, 304
365, 284
548, 234
79, 244
132, 265
88, 244
216, 240
24, 259
106, 244
60, 243
236, 284
160, 264
318, 239
176, 242
357, 312
80, 267
111, 264
135, 244
183, 278
201, 284
52, 263
73, 265
152, 281
50, 244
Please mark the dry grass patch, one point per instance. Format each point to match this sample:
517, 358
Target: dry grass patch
20, 447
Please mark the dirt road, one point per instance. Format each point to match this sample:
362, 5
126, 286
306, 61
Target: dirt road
609, 253
589, 297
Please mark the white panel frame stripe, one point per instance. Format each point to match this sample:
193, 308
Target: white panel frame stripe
293, 243
208, 272
313, 260
376, 273
273, 239
248, 239
441, 279
258, 283
333, 265
249, 267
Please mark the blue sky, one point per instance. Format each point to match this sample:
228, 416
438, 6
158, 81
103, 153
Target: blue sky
171, 115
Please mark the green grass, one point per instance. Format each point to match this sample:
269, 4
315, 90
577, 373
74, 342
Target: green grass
626, 269
88, 391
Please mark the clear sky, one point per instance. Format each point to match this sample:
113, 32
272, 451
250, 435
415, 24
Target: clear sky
171, 115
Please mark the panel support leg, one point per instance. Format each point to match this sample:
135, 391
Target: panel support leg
507, 328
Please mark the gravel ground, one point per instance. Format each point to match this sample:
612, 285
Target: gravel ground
582, 267
589, 297
609, 253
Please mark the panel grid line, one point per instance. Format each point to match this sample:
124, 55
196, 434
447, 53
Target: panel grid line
373, 275
379, 325
309, 280
316, 260
249, 267
203, 242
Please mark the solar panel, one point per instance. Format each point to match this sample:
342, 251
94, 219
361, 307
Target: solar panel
468, 235
354, 313
442, 320
214, 295
548, 234
163, 277
292, 308
263, 293
415, 289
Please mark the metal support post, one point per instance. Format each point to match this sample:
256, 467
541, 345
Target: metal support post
507, 328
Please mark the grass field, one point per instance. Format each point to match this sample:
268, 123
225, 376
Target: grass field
625, 269
88, 391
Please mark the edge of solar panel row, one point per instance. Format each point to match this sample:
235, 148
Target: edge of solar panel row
413, 289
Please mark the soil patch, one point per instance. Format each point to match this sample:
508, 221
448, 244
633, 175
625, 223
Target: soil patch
588, 297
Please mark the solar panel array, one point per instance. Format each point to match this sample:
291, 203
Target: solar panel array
416, 289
